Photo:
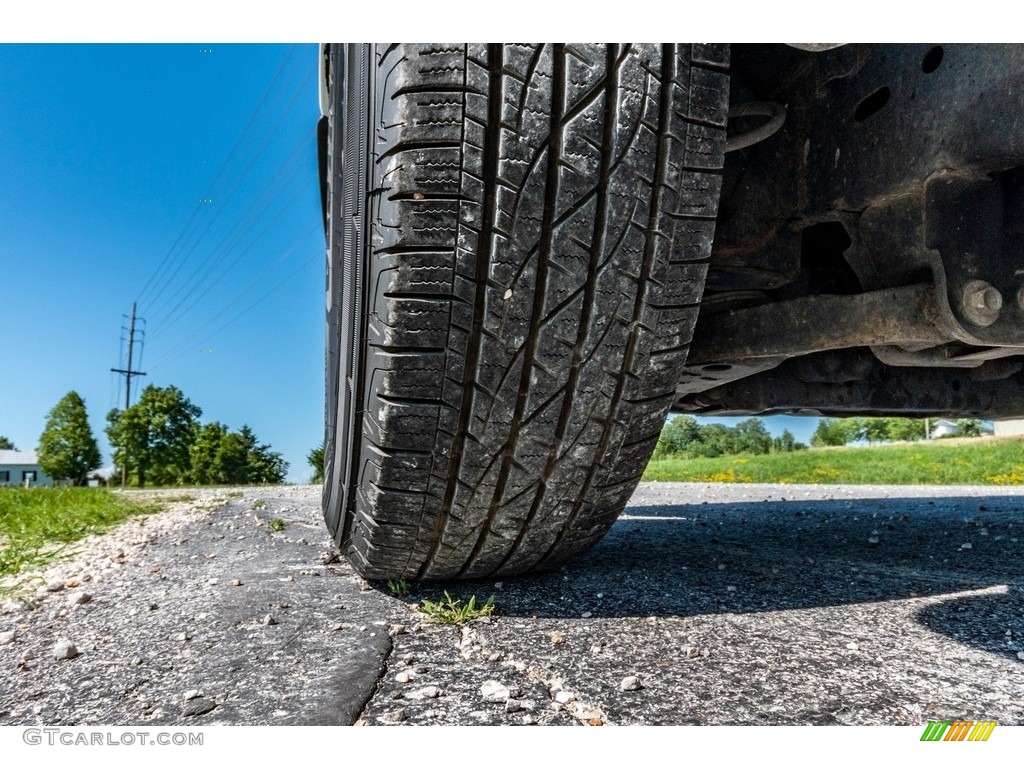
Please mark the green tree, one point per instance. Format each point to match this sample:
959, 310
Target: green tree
262, 465
316, 460
715, 440
67, 448
834, 432
786, 443
203, 453
751, 436
969, 428
6, 444
153, 437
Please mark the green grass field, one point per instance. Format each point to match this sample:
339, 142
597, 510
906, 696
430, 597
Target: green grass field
984, 461
36, 522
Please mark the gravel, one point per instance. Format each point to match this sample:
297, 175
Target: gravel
822, 628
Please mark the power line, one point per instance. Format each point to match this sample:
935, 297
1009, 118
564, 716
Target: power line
170, 356
220, 172
224, 205
223, 248
128, 373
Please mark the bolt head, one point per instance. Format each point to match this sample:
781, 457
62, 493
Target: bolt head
981, 302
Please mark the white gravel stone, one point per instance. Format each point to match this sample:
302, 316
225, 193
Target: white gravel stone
966, 545
195, 693
27, 655
394, 716
494, 692
853, 646
404, 677
564, 697
269, 620
513, 705
6, 638
64, 649
80, 598
631, 683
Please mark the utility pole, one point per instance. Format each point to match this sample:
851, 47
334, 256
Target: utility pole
128, 373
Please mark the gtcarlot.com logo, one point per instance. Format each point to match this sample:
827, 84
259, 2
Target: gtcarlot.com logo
958, 730
76, 738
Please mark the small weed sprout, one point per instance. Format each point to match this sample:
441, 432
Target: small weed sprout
276, 524
398, 587
259, 504
452, 611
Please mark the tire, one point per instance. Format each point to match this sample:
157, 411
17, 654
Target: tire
518, 242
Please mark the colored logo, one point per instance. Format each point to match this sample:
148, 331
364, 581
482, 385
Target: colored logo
958, 730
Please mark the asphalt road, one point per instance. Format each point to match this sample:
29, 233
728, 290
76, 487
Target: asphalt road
726, 604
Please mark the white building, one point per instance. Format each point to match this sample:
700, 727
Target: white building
1009, 427
21, 468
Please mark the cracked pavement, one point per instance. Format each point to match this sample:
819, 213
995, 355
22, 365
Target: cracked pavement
705, 604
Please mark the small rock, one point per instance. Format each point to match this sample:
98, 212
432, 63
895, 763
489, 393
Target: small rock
513, 705
153, 606
873, 540
182, 637
64, 649
198, 706
409, 658
631, 683
494, 692
966, 545
6, 638
429, 692
80, 598
398, 629
730, 589
557, 638
494, 656
337, 627
236, 582
213, 582
564, 697
586, 614
394, 716
27, 655
529, 720
403, 677
269, 620
54, 586
853, 646
136, 661
1020, 655
691, 651
72, 583
195, 693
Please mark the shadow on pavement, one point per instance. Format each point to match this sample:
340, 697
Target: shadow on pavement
691, 559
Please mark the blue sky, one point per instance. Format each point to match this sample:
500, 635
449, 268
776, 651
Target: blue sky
109, 156
107, 152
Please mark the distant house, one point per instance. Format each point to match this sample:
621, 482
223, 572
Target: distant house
944, 428
22, 468
100, 476
1009, 427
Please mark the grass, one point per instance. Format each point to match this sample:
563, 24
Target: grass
452, 611
36, 523
276, 524
259, 504
398, 587
975, 462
